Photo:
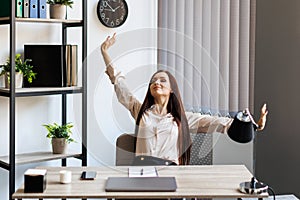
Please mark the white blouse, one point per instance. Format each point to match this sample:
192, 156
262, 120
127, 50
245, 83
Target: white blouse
158, 135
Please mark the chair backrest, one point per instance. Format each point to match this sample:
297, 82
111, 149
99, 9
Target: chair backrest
125, 149
201, 152
202, 149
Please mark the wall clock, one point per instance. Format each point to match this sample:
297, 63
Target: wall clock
112, 13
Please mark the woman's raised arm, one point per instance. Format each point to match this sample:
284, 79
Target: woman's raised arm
110, 70
124, 95
208, 124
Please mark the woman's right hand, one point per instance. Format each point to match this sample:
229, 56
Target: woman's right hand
108, 43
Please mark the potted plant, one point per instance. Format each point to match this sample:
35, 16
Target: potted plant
60, 136
58, 8
23, 69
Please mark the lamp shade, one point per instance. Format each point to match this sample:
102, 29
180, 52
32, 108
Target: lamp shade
242, 129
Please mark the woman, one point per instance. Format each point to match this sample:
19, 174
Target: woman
162, 126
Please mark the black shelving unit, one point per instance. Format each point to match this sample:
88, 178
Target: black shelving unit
10, 161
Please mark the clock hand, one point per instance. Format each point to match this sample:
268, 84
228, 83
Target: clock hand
110, 7
116, 8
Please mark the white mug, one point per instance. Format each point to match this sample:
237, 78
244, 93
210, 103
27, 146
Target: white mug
65, 176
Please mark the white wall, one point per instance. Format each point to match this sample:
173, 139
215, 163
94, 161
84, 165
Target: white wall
32, 112
134, 54
226, 151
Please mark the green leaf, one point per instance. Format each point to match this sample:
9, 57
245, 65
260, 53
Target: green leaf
60, 131
63, 2
20, 66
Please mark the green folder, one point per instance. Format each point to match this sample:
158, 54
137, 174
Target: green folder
5, 10
19, 8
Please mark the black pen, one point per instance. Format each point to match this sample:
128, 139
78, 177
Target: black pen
142, 171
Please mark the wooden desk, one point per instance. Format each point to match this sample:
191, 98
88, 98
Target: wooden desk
214, 181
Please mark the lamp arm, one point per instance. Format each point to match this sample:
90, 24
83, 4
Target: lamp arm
251, 118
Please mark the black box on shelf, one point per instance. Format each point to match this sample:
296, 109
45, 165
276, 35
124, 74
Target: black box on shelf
35, 180
55, 65
4, 8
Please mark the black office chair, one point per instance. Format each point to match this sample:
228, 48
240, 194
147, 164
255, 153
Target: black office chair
201, 152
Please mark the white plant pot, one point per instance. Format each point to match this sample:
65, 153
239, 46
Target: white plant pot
18, 80
58, 11
59, 145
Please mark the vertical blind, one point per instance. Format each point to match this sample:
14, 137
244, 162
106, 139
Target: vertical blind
209, 46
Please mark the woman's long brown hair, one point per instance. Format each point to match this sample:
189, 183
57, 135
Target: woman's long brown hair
175, 107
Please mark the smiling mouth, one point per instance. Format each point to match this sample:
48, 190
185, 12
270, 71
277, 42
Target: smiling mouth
156, 87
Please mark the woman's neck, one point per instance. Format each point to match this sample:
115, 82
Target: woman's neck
161, 106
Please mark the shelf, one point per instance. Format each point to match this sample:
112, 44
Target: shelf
5, 20
10, 161
27, 158
23, 92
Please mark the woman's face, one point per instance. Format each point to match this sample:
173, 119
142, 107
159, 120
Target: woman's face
160, 85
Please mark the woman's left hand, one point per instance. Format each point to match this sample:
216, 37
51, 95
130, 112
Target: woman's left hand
263, 118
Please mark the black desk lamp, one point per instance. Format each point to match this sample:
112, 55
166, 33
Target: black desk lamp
242, 130
243, 127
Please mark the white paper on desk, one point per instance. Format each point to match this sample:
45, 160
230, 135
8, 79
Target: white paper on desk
142, 171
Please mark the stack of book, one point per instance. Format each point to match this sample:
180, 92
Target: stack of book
25, 8
55, 65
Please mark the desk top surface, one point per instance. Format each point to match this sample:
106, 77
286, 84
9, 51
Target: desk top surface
213, 181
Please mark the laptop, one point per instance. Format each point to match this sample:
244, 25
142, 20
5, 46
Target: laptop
141, 184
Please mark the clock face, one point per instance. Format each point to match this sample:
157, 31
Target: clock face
112, 13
